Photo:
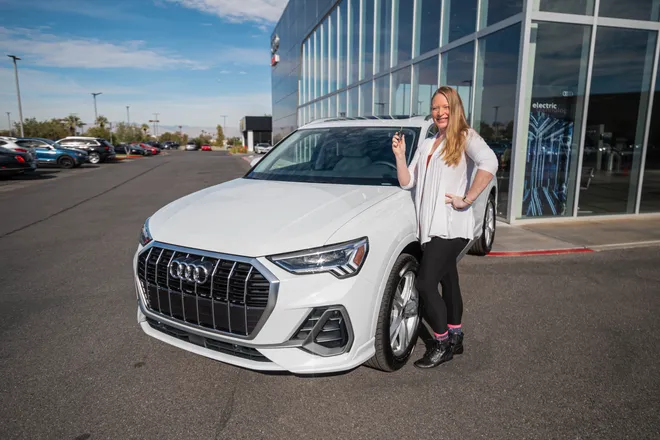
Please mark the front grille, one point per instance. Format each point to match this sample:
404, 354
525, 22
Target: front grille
219, 346
232, 300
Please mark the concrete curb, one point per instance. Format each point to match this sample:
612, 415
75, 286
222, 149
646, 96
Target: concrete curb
540, 252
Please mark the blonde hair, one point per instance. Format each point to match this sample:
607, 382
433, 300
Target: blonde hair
458, 128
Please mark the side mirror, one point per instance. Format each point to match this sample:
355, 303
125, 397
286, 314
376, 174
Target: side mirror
255, 161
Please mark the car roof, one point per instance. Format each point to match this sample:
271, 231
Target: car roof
370, 121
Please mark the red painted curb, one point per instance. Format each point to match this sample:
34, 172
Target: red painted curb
545, 252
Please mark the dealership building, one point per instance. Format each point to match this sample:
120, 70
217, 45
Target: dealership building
562, 90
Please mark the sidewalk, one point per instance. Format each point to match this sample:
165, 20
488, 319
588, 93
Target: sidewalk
589, 235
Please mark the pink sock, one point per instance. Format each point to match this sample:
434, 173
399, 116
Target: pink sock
441, 336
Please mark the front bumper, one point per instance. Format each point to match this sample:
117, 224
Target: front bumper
278, 343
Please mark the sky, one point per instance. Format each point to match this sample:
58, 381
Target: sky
191, 61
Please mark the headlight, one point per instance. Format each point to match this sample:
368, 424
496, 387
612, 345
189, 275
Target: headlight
145, 235
343, 260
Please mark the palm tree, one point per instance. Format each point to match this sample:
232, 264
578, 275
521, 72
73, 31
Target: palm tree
145, 128
73, 122
101, 121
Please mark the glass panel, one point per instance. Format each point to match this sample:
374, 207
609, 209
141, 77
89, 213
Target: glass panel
384, 35
620, 82
580, 7
495, 100
631, 9
401, 92
323, 69
343, 44
353, 101
332, 52
332, 106
303, 76
456, 72
382, 101
354, 41
427, 32
493, 11
460, 19
651, 185
367, 68
425, 84
555, 113
341, 105
366, 99
403, 31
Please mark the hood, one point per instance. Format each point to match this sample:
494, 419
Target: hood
255, 218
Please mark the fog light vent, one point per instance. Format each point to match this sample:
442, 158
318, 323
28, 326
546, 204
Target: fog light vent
326, 331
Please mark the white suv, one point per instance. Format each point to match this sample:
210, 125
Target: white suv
327, 285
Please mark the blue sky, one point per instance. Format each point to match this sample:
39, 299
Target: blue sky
189, 60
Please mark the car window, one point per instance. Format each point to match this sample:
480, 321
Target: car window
3, 143
355, 155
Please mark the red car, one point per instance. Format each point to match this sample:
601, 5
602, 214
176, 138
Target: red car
206, 148
151, 148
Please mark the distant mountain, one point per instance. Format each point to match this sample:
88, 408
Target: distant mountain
196, 131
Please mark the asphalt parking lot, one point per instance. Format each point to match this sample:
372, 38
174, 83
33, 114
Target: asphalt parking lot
556, 346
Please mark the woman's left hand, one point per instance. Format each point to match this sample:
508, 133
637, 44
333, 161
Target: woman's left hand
456, 201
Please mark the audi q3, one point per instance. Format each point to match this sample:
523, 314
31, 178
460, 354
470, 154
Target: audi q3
326, 285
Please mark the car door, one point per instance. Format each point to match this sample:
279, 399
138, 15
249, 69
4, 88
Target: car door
45, 154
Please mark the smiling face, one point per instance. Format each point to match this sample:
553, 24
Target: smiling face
440, 111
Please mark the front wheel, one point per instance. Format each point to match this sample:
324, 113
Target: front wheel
94, 158
398, 322
67, 162
484, 244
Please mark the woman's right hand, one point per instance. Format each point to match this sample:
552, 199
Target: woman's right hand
399, 146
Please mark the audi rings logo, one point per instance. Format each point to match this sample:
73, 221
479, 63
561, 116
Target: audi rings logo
193, 271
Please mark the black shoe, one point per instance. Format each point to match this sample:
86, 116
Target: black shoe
437, 353
456, 342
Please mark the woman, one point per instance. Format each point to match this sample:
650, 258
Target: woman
441, 173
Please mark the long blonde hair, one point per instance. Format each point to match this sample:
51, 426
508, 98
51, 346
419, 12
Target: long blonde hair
457, 130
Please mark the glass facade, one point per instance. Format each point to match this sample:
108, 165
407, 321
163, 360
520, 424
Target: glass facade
567, 102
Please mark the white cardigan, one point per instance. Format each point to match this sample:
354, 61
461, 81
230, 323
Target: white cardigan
435, 218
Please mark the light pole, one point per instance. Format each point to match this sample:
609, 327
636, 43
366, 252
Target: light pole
18, 93
9, 122
96, 116
156, 121
128, 114
224, 124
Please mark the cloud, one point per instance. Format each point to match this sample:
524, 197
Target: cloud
224, 72
43, 49
238, 11
45, 84
242, 72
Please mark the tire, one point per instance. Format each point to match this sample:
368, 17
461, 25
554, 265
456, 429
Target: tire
66, 162
484, 244
386, 358
94, 158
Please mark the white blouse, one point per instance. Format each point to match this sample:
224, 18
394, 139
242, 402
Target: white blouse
435, 218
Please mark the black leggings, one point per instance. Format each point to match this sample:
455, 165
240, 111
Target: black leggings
438, 265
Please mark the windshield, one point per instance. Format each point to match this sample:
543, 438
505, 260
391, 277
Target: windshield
344, 155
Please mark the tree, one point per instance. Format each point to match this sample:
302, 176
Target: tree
54, 129
145, 128
220, 140
102, 121
128, 133
73, 122
98, 132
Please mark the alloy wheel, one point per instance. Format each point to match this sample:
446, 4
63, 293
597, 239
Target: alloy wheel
404, 315
489, 225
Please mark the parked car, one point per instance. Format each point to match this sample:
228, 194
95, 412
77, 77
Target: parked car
152, 150
50, 153
191, 146
98, 149
326, 284
13, 163
206, 148
10, 144
262, 148
132, 149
